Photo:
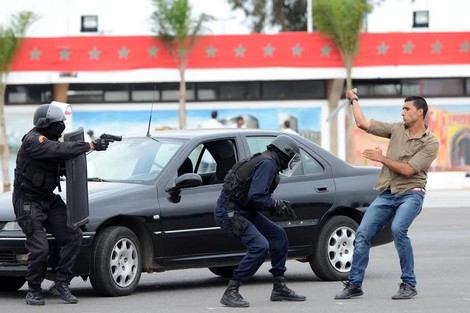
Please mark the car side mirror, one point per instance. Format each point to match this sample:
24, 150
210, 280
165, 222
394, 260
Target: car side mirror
184, 181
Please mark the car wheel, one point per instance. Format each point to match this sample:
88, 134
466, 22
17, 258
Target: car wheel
116, 262
332, 256
11, 283
223, 271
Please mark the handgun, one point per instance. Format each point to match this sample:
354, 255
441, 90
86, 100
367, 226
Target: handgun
111, 138
289, 211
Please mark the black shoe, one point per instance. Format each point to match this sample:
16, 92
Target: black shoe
282, 293
405, 291
350, 290
34, 297
231, 296
62, 290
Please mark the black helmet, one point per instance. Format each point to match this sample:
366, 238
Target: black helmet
46, 114
286, 145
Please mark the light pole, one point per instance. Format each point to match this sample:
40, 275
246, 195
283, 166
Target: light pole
309, 16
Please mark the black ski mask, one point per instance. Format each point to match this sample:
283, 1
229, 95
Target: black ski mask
282, 157
53, 131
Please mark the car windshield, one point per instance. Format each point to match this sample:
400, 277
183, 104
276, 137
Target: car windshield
132, 159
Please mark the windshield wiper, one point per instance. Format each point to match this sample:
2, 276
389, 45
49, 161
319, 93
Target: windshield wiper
97, 179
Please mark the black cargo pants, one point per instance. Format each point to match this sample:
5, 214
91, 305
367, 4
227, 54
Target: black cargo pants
47, 216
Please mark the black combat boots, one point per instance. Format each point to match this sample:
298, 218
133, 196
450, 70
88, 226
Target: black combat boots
282, 293
61, 289
231, 296
34, 297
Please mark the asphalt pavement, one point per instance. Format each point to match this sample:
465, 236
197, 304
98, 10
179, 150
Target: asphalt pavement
440, 237
458, 180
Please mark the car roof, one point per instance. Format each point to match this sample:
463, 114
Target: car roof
205, 132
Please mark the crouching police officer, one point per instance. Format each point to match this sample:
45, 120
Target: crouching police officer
39, 164
246, 192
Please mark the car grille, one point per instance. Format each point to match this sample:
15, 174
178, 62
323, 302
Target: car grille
7, 257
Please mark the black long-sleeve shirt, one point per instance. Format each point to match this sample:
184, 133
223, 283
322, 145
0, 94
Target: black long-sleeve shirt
39, 161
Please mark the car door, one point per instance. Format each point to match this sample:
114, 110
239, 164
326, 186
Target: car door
188, 227
311, 191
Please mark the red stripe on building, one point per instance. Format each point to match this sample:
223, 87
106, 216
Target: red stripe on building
296, 49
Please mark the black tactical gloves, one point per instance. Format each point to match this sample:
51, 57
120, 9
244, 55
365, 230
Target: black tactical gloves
100, 144
282, 208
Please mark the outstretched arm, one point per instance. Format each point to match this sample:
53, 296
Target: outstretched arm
361, 121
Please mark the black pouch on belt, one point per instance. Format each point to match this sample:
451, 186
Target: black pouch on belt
239, 225
25, 221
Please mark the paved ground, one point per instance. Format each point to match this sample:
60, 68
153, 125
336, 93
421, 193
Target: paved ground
442, 255
448, 181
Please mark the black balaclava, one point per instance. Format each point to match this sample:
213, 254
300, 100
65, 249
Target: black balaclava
53, 131
283, 159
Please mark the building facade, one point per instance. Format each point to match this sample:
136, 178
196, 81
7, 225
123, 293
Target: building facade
111, 79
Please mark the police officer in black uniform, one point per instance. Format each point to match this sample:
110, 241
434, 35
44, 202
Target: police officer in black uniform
38, 209
246, 192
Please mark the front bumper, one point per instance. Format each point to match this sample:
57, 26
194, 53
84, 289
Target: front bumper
13, 254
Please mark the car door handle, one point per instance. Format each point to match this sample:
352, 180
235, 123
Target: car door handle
321, 189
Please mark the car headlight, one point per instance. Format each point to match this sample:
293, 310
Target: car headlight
11, 226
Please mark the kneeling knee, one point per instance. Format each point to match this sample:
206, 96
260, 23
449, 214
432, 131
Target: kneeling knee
261, 248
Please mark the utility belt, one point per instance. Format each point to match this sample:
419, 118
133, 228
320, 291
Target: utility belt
227, 204
31, 197
239, 223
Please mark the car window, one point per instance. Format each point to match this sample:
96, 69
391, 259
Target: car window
309, 165
258, 144
212, 160
139, 159
205, 163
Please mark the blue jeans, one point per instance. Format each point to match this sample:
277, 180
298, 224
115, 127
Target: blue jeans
261, 238
402, 209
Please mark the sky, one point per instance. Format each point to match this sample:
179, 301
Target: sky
226, 21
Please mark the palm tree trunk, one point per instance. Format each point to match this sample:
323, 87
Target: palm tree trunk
349, 118
182, 98
335, 90
5, 154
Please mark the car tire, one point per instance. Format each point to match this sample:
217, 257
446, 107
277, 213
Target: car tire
116, 262
332, 256
223, 271
11, 283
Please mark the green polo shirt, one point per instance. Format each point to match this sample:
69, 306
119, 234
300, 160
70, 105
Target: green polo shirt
418, 151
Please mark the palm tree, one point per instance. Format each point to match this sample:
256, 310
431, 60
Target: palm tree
341, 21
10, 40
179, 31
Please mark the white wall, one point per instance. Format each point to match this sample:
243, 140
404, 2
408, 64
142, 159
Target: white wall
132, 17
62, 17
397, 16
115, 17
